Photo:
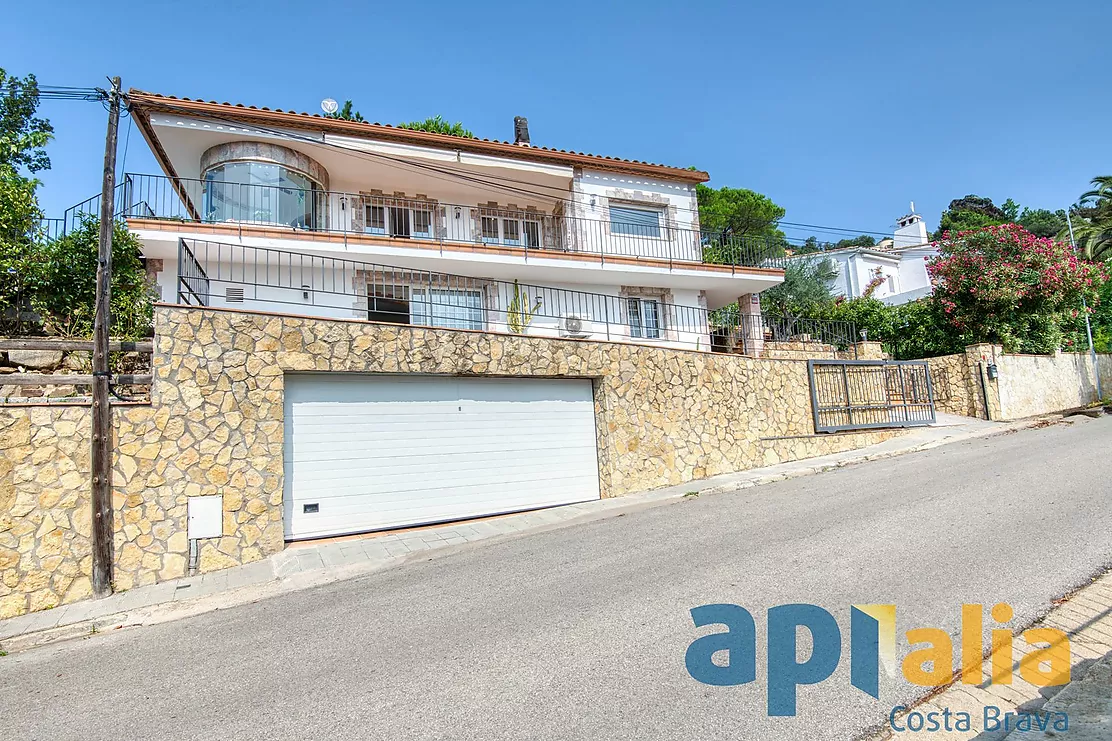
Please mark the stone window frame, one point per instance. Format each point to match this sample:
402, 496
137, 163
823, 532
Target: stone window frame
364, 280
669, 221
397, 199
665, 303
495, 210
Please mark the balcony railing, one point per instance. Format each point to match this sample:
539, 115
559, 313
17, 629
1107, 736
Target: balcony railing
216, 274
526, 230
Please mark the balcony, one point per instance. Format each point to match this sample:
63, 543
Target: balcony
375, 216
259, 279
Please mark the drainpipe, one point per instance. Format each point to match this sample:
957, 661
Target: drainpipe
984, 390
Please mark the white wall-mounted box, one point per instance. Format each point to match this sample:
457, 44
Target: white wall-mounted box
205, 516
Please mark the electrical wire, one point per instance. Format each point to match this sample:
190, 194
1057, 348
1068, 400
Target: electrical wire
58, 92
491, 180
488, 181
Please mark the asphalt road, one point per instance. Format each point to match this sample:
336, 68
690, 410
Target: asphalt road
580, 633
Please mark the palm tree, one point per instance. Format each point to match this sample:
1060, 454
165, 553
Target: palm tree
1103, 189
1092, 220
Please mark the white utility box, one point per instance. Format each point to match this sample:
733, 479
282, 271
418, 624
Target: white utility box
205, 516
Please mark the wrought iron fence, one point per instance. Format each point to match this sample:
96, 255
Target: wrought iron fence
572, 228
864, 394
218, 274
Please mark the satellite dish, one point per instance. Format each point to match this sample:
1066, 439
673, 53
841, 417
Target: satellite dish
329, 106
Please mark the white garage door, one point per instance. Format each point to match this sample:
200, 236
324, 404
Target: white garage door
374, 452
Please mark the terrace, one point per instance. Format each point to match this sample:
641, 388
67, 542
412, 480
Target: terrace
285, 211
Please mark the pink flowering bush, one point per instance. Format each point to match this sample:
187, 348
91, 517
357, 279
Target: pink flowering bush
1003, 284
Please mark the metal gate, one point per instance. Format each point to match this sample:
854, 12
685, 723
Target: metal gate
861, 394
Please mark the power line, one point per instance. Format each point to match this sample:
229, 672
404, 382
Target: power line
489, 180
61, 92
58, 92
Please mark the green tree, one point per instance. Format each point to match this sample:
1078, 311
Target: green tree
60, 281
809, 246
1003, 284
968, 213
346, 113
738, 212
1092, 220
806, 290
438, 125
23, 138
1041, 222
862, 241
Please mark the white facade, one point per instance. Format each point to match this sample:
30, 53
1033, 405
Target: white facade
911, 230
859, 267
915, 282
614, 249
898, 265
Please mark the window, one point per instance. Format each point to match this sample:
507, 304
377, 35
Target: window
637, 222
532, 233
422, 223
388, 304
448, 308
515, 228
262, 193
399, 222
490, 228
376, 219
644, 318
400, 219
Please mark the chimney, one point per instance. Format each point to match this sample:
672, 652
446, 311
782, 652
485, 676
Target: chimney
521, 130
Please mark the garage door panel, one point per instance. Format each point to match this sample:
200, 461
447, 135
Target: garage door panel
450, 443
374, 452
326, 474
502, 497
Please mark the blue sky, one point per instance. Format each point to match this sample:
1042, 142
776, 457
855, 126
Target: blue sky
841, 112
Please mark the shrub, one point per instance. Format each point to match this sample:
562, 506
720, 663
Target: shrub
59, 279
1003, 284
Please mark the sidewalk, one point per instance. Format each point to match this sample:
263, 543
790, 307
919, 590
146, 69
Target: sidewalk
1086, 618
1088, 703
302, 566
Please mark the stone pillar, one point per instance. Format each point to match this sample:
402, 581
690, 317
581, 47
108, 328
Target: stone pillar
750, 331
869, 350
984, 391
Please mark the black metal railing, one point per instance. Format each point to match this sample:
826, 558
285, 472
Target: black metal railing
865, 394
574, 227
46, 230
217, 274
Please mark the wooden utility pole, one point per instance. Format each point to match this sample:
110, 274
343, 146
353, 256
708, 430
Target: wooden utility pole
102, 414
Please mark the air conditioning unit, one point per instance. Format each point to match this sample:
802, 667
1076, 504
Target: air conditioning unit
575, 325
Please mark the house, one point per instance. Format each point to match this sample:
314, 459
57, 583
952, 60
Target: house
895, 269
272, 210
269, 211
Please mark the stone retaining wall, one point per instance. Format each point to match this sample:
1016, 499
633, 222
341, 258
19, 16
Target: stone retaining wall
1025, 386
215, 426
1038, 384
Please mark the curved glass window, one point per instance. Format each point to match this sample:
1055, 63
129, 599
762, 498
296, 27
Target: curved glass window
262, 193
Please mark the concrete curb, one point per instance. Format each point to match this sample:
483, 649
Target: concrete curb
281, 581
1085, 614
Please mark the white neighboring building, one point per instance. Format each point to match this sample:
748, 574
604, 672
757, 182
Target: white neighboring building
858, 266
900, 263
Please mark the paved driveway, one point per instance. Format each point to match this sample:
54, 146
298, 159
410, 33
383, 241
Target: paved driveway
580, 633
